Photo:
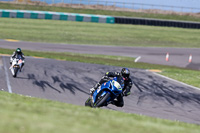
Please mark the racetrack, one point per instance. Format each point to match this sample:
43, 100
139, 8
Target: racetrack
69, 82
177, 56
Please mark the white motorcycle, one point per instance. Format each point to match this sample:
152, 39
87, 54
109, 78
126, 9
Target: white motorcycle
16, 66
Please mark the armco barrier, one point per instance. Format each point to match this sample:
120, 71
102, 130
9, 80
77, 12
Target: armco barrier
56, 16
157, 22
95, 18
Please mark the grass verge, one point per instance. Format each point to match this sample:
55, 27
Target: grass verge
190, 77
53, 31
30, 115
101, 12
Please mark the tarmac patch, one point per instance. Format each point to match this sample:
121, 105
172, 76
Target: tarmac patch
5, 55
155, 70
12, 40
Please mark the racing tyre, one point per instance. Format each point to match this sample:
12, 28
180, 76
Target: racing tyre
15, 72
102, 100
88, 102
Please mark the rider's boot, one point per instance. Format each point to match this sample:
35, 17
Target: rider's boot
21, 67
92, 90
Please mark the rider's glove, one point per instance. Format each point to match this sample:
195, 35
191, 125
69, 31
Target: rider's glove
105, 77
92, 90
117, 73
126, 93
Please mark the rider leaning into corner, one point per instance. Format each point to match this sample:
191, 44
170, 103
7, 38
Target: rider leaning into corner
125, 73
17, 52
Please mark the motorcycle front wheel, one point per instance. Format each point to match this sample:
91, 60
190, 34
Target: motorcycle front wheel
15, 72
101, 100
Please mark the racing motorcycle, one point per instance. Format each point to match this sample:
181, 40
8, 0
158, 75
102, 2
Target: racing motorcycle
16, 65
106, 93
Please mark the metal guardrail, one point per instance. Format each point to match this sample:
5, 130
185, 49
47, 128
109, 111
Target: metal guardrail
108, 5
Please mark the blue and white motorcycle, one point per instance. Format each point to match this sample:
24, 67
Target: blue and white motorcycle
106, 93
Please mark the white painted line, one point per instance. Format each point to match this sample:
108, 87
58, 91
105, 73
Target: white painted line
138, 58
7, 78
177, 81
1, 63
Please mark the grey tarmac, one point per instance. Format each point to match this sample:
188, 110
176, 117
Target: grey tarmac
70, 82
177, 56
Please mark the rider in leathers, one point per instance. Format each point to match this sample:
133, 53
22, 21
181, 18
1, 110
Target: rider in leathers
15, 54
125, 73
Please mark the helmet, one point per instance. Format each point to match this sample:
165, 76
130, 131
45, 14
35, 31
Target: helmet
125, 73
18, 50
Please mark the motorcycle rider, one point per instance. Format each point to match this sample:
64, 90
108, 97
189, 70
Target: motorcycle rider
16, 53
125, 73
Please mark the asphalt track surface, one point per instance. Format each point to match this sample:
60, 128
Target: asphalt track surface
177, 56
69, 82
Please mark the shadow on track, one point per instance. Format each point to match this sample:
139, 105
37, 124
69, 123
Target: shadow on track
42, 84
71, 85
153, 90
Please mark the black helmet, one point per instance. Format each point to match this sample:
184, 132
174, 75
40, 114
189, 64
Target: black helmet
125, 73
18, 50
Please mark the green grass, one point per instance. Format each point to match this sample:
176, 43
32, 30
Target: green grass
30, 115
20, 114
191, 77
53, 31
101, 12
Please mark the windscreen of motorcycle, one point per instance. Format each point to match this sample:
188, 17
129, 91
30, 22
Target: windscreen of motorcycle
120, 80
117, 85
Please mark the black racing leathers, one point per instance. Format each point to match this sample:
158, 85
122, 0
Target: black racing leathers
15, 54
127, 87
